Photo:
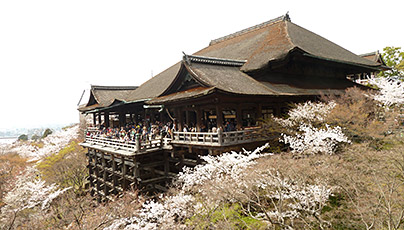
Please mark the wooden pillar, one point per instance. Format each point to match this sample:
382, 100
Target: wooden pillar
136, 174
166, 164
99, 119
161, 117
136, 170
114, 177
152, 120
122, 118
137, 141
134, 118
259, 113
124, 171
239, 118
97, 176
219, 116
187, 118
277, 110
180, 120
220, 136
198, 119
106, 119
94, 119
91, 169
104, 174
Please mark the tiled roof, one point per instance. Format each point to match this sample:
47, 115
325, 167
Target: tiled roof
249, 29
227, 61
214, 61
274, 40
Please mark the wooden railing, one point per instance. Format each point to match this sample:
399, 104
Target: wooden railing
218, 139
130, 146
92, 129
215, 139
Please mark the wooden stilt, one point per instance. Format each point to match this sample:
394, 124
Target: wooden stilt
106, 119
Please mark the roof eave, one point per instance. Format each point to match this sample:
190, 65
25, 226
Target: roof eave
376, 67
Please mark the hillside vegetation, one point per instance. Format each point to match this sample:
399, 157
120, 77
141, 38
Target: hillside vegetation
337, 164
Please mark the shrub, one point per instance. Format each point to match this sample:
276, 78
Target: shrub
35, 137
23, 137
37, 144
67, 168
360, 116
11, 164
47, 132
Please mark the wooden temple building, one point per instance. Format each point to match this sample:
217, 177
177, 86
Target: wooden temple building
240, 79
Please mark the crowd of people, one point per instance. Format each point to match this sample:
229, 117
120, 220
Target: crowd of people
149, 131
130, 131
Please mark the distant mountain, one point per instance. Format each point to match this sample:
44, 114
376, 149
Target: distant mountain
15, 132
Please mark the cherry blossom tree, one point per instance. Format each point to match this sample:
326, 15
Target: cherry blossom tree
291, 199
391, 92
304, 137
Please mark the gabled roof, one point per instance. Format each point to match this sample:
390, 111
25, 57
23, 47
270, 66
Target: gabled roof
224, 75
376, 57
103, 96
226, 63
187, 94
274, 40
155, 86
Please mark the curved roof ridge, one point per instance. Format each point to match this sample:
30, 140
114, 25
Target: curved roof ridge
370, 53
105, 87
252, 28
213, 60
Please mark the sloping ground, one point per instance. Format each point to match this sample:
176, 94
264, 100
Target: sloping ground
50, 144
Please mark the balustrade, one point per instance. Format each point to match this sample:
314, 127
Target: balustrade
215, 139
187, 138
129, 146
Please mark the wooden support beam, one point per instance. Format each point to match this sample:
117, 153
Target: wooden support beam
114, 176
104, 176
99, 119
259, 112
187, 118
122, 118
154, 180
94, 119
219, 116
152, 164
239, 118
198, 119
166, 164
97, 175
136, 173
124, 171
180, 119
106, 119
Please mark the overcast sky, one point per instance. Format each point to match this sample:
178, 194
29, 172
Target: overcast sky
50, 51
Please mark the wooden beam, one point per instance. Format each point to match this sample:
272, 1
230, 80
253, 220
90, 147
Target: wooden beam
114, 176
124, 171
198, 119
99, 119
106, 119
239, 118
94, 119
219, 116
180, 116
187, 118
